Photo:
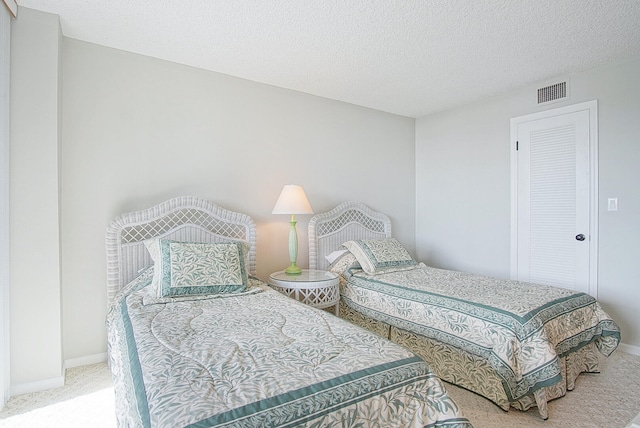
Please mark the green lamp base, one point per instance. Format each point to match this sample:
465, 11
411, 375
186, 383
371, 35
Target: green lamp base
293, 270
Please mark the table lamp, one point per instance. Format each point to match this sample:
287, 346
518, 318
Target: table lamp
292, 201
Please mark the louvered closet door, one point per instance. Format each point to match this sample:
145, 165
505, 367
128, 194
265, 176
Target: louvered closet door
553, 201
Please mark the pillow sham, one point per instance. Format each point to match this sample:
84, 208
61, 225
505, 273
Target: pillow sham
380, 255
194, 268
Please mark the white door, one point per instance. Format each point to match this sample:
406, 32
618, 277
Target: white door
554, 198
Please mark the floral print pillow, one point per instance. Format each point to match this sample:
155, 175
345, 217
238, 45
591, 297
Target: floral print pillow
380, 255
193, 268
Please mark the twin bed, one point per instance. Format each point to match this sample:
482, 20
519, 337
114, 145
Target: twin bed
517, 344
196, 340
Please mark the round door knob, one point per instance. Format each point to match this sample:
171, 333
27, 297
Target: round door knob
580, 237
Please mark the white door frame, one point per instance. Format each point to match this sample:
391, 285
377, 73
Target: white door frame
5, 47
592, 108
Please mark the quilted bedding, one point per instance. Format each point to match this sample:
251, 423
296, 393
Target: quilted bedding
520, 329
261, 359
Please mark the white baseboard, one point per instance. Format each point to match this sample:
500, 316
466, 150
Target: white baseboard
56, 382
36, 386
629, 349
85, 361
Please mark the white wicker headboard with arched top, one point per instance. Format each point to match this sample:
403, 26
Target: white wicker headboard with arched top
348, 221
186, 219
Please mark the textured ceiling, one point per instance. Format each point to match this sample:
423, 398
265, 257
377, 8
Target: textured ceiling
411, 57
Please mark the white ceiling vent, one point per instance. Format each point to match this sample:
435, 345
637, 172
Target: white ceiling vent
553, 93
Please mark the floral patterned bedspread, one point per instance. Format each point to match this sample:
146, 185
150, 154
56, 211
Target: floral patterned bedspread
519, 328
261, 359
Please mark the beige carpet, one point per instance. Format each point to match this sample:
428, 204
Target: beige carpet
610, 399
86, 400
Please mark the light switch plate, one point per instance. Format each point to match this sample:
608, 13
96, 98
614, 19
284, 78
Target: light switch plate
612, 204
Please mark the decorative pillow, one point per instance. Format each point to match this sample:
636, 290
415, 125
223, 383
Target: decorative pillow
193, 268
380, 255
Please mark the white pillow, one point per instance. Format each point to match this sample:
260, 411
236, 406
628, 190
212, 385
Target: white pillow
334, 255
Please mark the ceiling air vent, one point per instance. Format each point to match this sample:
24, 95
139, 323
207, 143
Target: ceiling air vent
551, 93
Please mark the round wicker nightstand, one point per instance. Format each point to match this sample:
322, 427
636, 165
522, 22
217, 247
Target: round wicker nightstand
318, 288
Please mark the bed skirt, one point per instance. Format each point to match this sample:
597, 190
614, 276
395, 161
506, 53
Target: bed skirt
474, 373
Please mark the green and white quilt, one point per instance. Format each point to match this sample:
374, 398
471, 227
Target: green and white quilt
520, 329
260, 359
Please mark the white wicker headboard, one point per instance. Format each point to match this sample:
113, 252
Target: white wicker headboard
186, 218
348, 221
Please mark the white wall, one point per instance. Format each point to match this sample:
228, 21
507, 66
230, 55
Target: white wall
138, 130
463, 196
35, 297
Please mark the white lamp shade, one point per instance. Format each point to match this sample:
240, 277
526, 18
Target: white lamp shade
292, 200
